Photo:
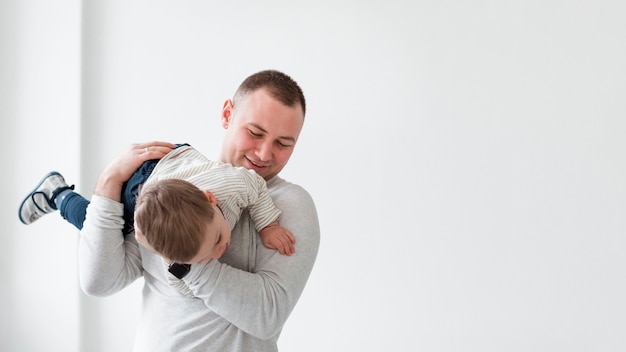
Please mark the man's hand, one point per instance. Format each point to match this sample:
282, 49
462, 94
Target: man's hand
112, 178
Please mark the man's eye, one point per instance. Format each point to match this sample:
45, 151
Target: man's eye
254, 134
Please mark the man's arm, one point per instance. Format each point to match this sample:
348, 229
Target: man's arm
108, 261
260, 302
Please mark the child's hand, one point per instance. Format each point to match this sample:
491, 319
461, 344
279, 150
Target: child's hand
277, 237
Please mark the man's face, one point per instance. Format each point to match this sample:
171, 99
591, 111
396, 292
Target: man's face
261, 133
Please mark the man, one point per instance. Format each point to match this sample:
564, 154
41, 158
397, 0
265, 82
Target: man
243, 299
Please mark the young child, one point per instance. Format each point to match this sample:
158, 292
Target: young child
175, 208
228, 189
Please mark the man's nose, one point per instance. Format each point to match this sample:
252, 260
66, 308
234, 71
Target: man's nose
264, 151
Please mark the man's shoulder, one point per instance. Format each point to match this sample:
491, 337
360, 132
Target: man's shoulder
288, 194
277, 185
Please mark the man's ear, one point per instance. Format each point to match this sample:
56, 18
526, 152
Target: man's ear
227, 113
210, 197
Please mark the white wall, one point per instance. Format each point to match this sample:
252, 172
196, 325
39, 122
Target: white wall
40, 119
467, 160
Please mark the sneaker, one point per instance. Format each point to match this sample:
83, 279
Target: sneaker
41, 200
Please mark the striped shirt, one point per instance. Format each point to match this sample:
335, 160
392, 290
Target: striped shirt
235, 188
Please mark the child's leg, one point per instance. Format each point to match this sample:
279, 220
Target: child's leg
73, 208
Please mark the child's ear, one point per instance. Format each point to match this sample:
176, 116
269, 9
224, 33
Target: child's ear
211, 197
139, 236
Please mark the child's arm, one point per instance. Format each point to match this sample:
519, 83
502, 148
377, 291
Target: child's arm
277, 237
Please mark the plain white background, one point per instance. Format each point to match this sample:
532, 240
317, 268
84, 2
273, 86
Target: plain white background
467, 159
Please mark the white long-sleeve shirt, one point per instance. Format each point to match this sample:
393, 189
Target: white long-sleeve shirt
243, 300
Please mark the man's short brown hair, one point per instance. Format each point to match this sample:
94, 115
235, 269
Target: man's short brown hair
173, 216
279, 85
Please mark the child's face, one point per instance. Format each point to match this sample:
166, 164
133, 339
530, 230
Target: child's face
216, 239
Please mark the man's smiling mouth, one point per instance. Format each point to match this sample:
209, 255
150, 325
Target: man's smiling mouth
255, 164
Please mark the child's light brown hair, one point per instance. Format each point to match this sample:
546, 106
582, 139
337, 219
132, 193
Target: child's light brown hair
173, 216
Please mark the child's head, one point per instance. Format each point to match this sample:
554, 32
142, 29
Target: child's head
180, 222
